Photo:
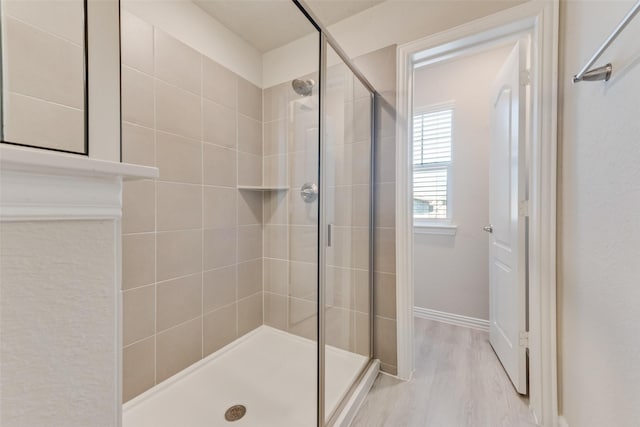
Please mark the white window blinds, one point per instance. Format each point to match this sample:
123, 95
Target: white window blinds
432, 163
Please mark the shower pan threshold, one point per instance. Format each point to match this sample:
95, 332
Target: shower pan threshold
270, 372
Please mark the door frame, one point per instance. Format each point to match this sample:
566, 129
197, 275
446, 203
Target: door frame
540, 19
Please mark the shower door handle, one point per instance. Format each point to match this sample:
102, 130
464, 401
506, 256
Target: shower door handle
329, 234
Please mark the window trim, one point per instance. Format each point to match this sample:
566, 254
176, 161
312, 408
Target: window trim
435, 229
435, 222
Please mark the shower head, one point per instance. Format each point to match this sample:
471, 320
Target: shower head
303, 87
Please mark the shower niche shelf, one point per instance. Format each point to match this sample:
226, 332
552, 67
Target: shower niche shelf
261, 188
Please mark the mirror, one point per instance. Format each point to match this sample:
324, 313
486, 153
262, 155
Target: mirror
44, 74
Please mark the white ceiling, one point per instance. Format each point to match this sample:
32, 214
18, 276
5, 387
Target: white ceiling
268, 24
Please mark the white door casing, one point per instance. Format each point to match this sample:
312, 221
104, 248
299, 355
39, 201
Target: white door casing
507, 196
540, 20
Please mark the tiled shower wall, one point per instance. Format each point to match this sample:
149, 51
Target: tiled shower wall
380, 68
347, 174
192, 242
290, 283
290, 275
290, 225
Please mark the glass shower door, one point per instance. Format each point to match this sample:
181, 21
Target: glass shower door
346, 175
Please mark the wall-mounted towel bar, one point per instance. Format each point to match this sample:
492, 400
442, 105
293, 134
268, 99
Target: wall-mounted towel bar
604, 73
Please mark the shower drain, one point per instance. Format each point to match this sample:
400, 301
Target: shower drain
235, 413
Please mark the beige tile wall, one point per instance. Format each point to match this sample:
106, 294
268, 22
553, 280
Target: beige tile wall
43, 61
290, 230
291, 146
348, 181
204, 262
192, 243
290, 285
379, 67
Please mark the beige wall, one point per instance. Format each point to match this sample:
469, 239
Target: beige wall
290, 224
192, 243
190, 24
347, 175
598, 222
451, 273
380, 68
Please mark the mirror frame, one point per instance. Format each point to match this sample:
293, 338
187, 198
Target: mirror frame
85, 151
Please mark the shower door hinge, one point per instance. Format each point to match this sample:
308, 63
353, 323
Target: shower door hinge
524, 339
525, 78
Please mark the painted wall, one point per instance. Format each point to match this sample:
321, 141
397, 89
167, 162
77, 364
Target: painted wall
58, 318
599, 224
451, 273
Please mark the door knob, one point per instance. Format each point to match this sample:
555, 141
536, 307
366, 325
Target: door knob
488, 228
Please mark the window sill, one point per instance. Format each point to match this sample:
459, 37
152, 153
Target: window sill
437, 229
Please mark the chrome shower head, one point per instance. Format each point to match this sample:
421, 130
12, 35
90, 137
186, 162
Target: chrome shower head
303, 87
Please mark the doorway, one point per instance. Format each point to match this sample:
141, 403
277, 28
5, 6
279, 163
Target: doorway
469, 165
536, 21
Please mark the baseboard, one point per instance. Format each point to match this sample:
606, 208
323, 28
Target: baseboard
562, 422
451, 319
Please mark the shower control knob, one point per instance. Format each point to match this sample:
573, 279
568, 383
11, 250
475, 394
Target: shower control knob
309, 192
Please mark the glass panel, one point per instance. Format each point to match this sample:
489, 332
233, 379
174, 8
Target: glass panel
43, 74
347, 173
214, 95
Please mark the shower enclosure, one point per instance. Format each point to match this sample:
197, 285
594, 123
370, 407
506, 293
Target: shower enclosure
247, 278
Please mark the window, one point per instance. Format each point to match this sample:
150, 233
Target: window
432, 164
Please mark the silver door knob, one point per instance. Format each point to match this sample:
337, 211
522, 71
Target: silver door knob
488, 228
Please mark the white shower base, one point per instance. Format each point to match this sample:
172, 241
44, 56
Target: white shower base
271, 372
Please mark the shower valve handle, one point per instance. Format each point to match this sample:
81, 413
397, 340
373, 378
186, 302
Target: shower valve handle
309, 192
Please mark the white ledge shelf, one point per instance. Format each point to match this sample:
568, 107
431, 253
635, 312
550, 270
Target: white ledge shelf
30, 160
261, 188
39, 185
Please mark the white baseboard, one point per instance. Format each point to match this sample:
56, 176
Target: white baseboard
452, 319
562, 422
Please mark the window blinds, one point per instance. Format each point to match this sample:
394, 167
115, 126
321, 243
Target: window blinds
431, 163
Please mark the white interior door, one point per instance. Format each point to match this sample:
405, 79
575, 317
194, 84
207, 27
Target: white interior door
507, 251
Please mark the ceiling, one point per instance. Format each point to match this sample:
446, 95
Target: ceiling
268, 24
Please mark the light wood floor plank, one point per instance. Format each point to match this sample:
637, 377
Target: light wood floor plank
458, 382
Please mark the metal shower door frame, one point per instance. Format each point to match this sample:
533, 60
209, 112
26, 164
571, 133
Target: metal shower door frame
327, 40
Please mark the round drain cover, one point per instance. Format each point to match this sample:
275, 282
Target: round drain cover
235, 413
